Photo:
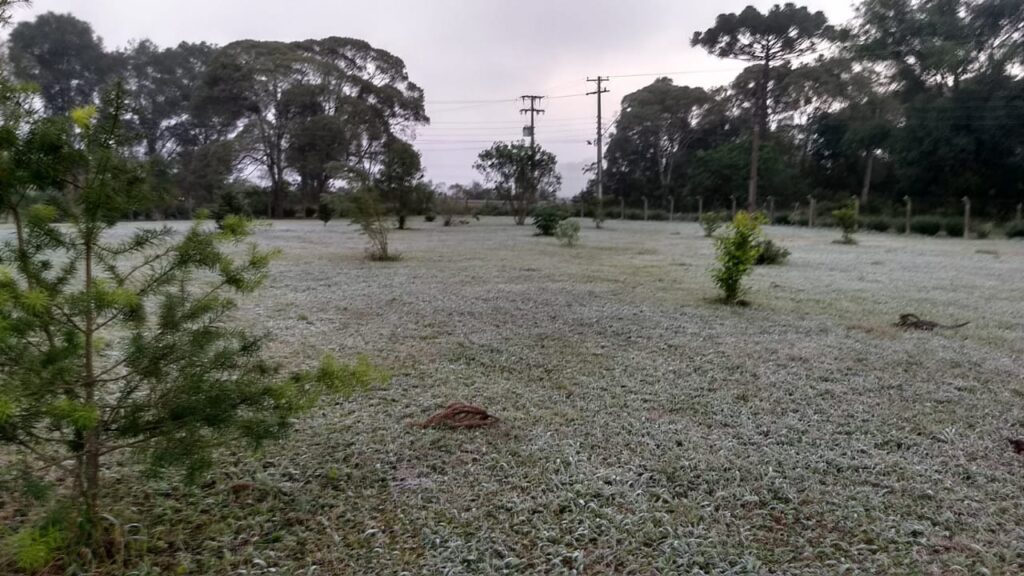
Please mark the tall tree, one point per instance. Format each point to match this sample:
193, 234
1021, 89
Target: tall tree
658, 132
398, 181
522, 174
784, 33
275, 91
63, 56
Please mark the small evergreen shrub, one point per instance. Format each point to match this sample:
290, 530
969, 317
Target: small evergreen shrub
846, 219
772, 254
547, 218
326, 212
430, 217
710, 222
568, 233
230, 203
1015, 230
737, 254
984, 231
878, 224
369, 213
926, 226
954, 227
310, 212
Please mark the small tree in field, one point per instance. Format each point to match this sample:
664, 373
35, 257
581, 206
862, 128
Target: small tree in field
326, 211
710, 222
568, 233
370, 214
737, 254
524, 175
846, 218
113, 343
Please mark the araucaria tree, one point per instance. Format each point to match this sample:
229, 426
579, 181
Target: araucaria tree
766, 40
113, 341
523, 174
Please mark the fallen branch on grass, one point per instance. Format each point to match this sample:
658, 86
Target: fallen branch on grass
459, 415
914, 322
1017, 445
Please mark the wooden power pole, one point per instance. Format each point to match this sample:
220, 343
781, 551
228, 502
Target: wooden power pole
600, 80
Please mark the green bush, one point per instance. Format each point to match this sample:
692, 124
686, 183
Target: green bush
547, 218
230, 203
568, 233
878, 224
954, 227
846, 219
430, 217
711, 222
737, 254
493, 209
369, 213
926, 226
1015, 230
984, 231
326, 211
772, 254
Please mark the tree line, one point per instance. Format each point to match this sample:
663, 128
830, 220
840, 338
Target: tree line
298, 119
919, 99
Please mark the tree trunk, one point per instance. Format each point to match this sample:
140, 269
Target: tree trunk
755, 159
868, 173
91, 447
760, 130
277, 199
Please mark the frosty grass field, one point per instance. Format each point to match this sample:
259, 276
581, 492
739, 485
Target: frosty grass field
645, 429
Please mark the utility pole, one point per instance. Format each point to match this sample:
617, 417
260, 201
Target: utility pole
600, 80
533, 111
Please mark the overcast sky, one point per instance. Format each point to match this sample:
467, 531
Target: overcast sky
472, 57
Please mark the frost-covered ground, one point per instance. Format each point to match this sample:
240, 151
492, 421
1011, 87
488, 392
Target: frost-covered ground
645, 429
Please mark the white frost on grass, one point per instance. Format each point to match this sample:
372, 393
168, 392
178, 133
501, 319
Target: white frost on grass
646, 429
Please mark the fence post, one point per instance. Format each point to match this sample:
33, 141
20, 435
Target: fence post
622, 208
856, 212
910, 210
796, 214
733, 206
810, 214
771, 210
967, 217
671, 209
645, 208
700, 208
1020, 212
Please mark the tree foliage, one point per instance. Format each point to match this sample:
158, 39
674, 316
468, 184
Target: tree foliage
522, 174
63, 57
738, 251
783, 33
112, 343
